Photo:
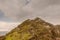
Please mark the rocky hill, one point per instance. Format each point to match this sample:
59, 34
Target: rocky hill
36, 29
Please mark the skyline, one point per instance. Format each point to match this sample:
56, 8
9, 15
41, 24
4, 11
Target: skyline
13, 12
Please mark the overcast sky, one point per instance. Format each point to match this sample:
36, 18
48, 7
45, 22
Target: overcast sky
13, 12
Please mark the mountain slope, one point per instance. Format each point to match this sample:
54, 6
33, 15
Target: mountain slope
36, 29
1, 37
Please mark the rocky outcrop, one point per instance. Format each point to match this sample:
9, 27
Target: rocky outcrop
36, 29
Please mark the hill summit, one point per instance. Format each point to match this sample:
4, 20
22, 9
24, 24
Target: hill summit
36, 29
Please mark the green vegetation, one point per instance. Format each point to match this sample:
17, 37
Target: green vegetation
36, 29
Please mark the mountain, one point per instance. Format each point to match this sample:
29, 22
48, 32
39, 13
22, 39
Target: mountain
36, 29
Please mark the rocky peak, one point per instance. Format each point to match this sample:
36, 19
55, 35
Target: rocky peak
32, 30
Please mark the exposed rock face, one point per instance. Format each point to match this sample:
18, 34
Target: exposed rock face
36, 29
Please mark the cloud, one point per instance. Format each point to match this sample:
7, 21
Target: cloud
17, 10
1, 14
13, 8
54, 2
12, 11
6, 26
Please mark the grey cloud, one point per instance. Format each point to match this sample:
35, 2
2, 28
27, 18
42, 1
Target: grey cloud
22, 9
27, 2
4, 18
41, 4
1, 14
56, 2
47, 9
15, 7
